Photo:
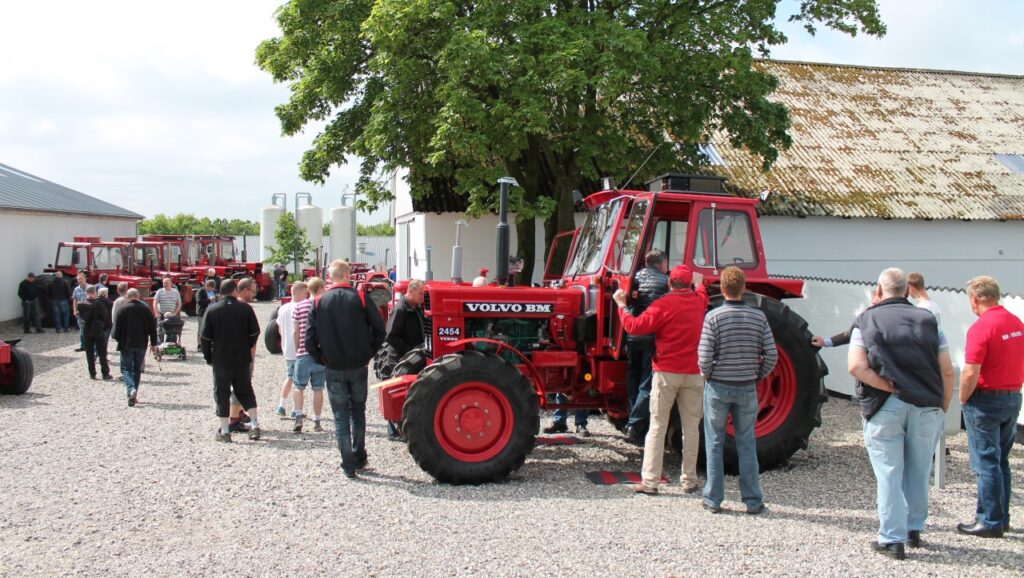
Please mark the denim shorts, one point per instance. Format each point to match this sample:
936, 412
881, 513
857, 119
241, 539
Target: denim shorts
309, 372
289, 368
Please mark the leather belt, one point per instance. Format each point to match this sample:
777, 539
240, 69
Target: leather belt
988, 391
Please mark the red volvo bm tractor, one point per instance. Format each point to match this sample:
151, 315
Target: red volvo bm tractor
469, 402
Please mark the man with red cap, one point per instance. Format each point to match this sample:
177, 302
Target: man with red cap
675, 320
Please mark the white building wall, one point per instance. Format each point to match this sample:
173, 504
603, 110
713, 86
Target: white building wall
947, 253
478, 245
31, 240
402, 203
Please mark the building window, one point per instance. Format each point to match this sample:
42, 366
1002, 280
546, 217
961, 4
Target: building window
1013, 162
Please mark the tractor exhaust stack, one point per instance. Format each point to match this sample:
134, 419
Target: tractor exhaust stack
501, 271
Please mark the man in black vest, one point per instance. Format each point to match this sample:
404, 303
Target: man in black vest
230, 332
96, 323
343, 331
904, 382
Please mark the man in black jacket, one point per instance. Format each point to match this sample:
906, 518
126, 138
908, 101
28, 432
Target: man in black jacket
343, 332
135, 327
651, 282
230, 332
95, 324
405, 331
60, 302
27, 292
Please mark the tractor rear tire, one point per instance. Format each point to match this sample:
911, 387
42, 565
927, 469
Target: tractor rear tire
272, 338
412, 363
476, 395
190, 307
18, 377
790, 398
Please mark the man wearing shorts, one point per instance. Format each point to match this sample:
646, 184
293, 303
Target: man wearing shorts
229, 345
286, 329
307, 371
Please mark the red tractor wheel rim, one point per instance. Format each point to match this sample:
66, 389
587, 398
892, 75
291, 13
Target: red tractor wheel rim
776, 396
473, 422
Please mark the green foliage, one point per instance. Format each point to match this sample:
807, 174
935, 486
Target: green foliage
189, 224
327, 230
554, 93
384, 229
292, 244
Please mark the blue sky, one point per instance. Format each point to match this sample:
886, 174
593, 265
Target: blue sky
159, 107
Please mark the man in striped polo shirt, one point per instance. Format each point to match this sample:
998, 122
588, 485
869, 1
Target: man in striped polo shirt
736, 351
307, 370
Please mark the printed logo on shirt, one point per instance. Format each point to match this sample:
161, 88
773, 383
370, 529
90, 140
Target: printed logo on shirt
1015, 334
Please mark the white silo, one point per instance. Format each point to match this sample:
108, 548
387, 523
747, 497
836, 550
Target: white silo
343, 232
269, 216
310, 218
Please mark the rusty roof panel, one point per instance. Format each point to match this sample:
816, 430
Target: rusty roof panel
890, 143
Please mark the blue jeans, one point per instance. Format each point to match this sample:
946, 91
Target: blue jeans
131, 367
991, 422
900, 440
30, 315
61, 314
308, 372
638, 381
81, 331
347, 391
580, 416
721, 400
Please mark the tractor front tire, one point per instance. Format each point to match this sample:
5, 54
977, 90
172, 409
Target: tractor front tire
470, 418
790, 398
17, 377
412, 363
272, 338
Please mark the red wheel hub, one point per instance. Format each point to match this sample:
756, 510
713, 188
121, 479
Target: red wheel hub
473, 421
776, 395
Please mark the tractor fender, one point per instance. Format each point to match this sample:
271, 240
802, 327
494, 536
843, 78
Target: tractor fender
392, 395
531, 371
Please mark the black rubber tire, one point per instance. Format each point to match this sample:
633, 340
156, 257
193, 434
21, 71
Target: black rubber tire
412, 363
190, 307
43, 281
618, 423
22, 375
427, 392
271, 338
384, 361
791, 334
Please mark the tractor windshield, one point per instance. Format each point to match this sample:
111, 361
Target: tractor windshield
66, 258
174, 255
594, 237
107, 258
227, 250
147, 256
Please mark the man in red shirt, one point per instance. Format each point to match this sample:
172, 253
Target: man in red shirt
675, 320
990, 393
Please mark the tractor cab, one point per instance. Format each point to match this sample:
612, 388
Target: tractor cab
94, 257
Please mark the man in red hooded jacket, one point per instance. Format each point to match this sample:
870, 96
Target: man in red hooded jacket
676, 321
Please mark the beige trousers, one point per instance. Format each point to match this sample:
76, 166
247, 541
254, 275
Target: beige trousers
688, 391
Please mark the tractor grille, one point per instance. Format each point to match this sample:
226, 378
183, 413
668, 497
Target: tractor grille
428, 325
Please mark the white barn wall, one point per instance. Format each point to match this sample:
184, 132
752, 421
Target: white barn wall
32, 237
947, 253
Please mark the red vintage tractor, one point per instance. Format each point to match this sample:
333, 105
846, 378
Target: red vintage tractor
155, 260
469, 402
16, 369
219, 251
94, 257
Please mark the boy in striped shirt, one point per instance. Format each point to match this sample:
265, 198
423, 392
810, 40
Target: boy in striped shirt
307, 370
736, 351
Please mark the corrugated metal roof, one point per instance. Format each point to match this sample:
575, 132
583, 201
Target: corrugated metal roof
891, 143
20, 190
374, 251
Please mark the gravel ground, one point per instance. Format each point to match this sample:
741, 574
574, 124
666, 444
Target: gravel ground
92, 487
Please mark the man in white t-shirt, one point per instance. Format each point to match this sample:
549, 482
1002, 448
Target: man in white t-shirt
286, 328
915, 282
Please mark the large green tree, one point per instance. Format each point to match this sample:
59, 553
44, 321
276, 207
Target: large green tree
292, 244
554, 93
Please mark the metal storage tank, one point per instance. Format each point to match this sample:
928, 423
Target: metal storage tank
343, 233
268, 223
310, 218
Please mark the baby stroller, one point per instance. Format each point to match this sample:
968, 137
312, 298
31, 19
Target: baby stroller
169, 332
